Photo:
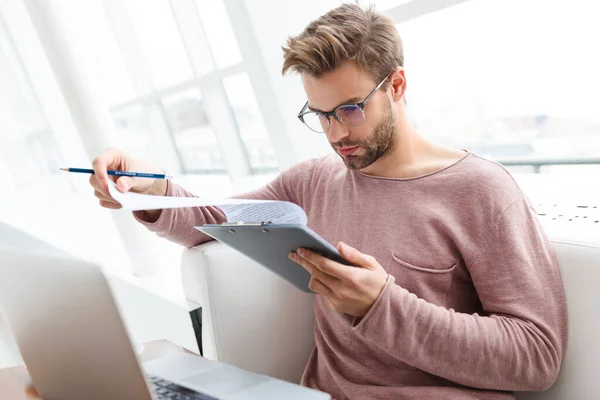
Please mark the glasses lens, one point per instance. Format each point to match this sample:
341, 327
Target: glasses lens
316, 122
350, 115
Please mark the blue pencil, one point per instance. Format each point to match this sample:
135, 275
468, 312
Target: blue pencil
119, 173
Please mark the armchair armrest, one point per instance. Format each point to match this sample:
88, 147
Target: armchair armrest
251, 318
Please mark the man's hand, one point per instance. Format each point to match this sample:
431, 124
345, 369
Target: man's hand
117, 160
350, 290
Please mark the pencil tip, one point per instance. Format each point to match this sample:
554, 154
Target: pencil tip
64, 169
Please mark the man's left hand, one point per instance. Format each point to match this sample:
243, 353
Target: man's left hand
350, 290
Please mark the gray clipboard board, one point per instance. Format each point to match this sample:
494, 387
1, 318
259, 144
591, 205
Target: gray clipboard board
270, 244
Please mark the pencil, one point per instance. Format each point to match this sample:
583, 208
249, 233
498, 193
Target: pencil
119, 173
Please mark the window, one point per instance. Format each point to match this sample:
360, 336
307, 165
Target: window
23, 107
114, 79
183, 108
143, 131
157, 33
219, 33
383, 4
250, 124
194, 137
507, 78
45, 151
26, 142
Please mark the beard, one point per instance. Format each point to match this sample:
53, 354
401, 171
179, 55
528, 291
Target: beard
376, 146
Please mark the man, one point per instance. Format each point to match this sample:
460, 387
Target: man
458, 294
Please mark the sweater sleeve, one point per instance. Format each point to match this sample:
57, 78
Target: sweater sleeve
177, 224
519, 341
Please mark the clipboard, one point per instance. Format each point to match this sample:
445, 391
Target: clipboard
269, 245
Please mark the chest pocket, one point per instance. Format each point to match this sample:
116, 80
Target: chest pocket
429, 279
442, 269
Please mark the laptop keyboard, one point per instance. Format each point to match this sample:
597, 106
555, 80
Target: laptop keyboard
167, 390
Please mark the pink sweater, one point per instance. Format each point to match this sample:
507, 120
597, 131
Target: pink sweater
473, 307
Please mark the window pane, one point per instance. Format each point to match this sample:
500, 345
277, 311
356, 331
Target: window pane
45, 151
25, 109
383, 4
161, 43
194, 137
26, 144
115, 80
22, 163
219, 33
507, 78
250, 123
140, 126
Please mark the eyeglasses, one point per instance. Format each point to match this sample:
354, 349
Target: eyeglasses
351, 115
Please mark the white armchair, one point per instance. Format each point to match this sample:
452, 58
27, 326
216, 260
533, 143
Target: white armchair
251, 318
257, 321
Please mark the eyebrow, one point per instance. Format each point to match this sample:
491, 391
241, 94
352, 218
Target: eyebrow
353, 100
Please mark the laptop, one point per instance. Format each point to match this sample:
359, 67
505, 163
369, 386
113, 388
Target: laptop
73, 341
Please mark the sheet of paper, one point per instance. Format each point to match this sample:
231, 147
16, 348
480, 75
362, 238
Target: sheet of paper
236, 210
276, 212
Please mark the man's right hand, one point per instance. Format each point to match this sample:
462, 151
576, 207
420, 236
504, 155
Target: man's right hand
115, 159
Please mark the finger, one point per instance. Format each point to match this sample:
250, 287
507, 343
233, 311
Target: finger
330, 281
98, 187
124, 183
102, 197
100, 167
324, 264
356, 257
111, 205
110, 158
320, 288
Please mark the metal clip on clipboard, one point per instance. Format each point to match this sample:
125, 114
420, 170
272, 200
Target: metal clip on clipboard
242, 223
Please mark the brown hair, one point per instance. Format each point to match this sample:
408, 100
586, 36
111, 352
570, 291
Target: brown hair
347, 33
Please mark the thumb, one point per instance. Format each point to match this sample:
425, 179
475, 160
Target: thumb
356, 257
100, 168
124, 183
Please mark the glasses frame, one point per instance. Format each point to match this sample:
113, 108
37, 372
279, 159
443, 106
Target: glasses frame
328, 115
